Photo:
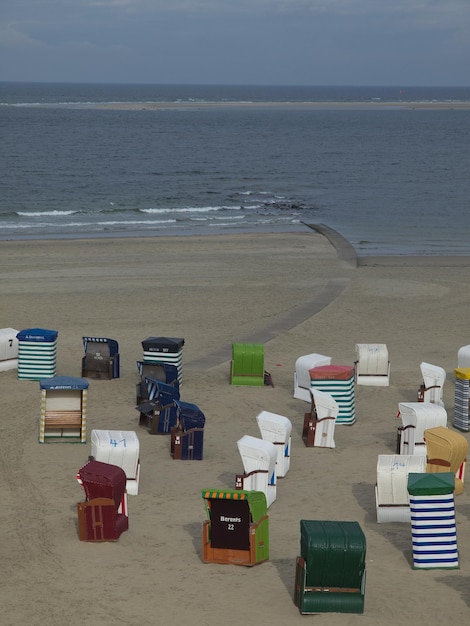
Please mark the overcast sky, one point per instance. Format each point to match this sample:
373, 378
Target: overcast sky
251, 42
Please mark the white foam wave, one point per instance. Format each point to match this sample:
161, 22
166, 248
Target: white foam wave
92, 225
215, 217
191, 209
44, 213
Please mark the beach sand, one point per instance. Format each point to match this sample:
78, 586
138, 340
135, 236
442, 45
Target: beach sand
298, 294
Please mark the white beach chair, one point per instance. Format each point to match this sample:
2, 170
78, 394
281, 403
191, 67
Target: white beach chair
391, 490
463, 357
431, 389
319, 424
277, 429
372, 366
121, 448
416, 417
302, 381
259, 462
8, 349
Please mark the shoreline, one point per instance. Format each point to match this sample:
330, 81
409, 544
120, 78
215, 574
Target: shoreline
344, 248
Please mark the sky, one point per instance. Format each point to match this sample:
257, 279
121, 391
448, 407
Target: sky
237, 42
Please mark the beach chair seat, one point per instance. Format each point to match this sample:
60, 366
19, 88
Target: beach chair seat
98, 520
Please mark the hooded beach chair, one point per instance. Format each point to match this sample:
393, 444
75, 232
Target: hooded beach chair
236, 530
433, 525
431, 389
37, 353
372, 366
337, 380
159, 412
447, 452
278, 430
164, 350
303, 365
8, 349
319, 423
187, 437
121, 448
259, 462
416, 417
462, 399
63, 409
330, 573
463, 357
164, 372
103, 516
101, 360
392, 499
247, 364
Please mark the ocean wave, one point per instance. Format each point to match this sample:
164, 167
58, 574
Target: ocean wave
210, 218
191, 209
53, 213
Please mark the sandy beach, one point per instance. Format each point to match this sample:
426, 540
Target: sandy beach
298, 293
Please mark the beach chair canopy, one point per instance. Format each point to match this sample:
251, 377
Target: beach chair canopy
273, 427
39, 335
103, 480
59, 383
323, 404
116, 447
189, 415
164, 393
163, 345
302, 376
8, 344
446, 449
420, 416
434, 378
257, 454
165, 372
463, 357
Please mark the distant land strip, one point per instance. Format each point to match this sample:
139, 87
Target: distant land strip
154, 106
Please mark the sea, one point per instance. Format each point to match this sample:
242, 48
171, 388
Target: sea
391, 179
